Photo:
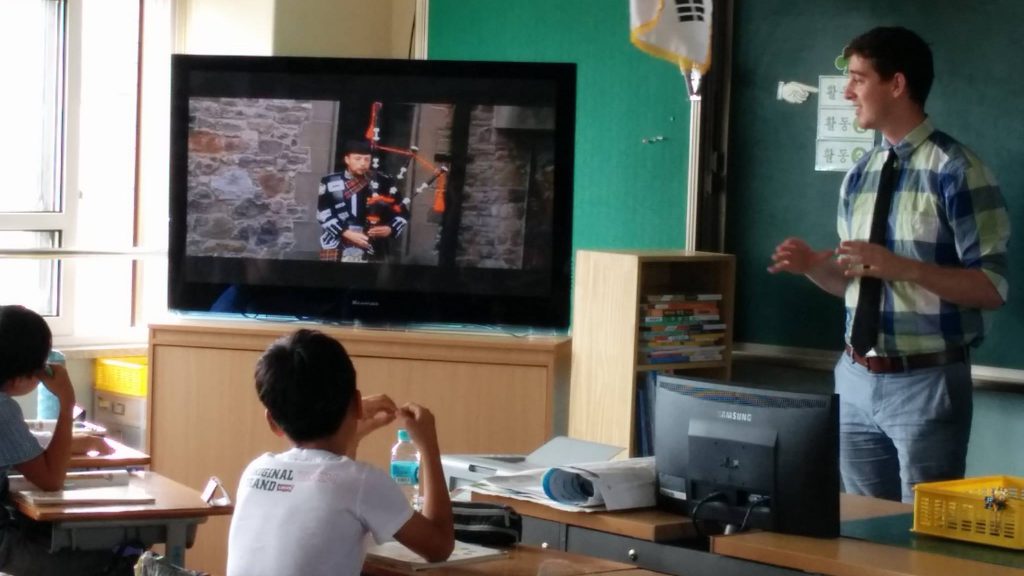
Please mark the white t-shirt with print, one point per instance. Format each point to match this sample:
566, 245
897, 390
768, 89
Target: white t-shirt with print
308, 512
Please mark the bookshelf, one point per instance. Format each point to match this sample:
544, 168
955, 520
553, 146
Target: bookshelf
608, 359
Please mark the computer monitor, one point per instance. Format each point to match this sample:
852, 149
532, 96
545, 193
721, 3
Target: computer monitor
748, 456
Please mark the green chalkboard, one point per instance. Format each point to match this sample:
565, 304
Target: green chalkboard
628, 194
773, 190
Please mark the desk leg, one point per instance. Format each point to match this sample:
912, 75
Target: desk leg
177, 537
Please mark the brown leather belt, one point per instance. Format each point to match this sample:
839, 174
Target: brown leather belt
891, 364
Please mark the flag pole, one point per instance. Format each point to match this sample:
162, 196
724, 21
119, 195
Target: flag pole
692, 78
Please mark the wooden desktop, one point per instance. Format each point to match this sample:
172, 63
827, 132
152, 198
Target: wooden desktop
847, 556
646, 524
657, 540
122, 457
521, 560
172, 519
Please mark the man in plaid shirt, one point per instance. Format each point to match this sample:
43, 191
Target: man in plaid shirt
905, 397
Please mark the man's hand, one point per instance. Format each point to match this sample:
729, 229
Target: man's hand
859, 258
357, 238
378, 411
795, 256
380, 232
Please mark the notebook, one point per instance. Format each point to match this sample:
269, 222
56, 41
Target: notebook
89, 496
84, 488
397, 554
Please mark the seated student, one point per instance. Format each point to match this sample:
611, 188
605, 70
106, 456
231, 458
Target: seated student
308, 510
25, 342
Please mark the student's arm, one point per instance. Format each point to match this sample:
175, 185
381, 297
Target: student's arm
430, 534
47, 471
795, 256
84, 443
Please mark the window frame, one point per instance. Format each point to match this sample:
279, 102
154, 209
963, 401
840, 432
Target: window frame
61, 220
77, 268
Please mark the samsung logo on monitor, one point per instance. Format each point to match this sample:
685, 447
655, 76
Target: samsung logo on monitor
738, 416
364, 303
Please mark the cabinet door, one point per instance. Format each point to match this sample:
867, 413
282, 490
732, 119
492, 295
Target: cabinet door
478, 408
206, 421
675, 558
543, 533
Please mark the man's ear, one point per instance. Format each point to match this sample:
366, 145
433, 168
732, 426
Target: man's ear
273, 425
899, 85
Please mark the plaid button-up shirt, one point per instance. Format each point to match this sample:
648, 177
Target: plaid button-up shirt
947, 210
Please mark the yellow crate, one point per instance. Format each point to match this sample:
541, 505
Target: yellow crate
126, 376
960, 509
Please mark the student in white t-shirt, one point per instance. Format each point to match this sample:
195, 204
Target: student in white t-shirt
309, 510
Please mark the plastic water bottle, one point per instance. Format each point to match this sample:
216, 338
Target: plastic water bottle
405, 467
47, 405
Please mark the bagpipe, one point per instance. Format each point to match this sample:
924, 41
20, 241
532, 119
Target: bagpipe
378, 204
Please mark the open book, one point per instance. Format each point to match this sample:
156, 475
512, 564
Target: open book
84, 488
397, 554
597, 486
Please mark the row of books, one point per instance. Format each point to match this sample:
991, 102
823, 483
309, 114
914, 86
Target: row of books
681, 328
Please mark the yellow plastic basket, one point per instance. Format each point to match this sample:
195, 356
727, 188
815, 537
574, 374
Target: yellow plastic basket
969, 510
126, 376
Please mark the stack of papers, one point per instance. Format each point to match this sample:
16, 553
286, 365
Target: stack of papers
397, 554
593, 487
84, 488
89, 496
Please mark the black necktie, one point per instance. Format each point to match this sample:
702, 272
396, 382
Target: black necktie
865, 320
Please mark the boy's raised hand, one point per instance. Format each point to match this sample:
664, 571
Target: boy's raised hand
55, 378
419, 422
378, 411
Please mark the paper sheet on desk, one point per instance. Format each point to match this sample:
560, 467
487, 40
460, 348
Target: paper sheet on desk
593, 487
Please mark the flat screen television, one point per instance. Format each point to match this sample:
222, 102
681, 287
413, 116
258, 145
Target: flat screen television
748, 457
372, 191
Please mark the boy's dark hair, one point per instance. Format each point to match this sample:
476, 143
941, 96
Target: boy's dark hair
25, 342
306, 381
897, 49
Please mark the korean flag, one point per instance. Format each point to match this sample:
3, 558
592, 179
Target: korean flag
676, 30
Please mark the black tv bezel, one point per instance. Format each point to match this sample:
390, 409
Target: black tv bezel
407, 295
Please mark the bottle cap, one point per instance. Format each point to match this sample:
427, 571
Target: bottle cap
403, 435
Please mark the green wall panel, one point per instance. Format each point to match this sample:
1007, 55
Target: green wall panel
627, 194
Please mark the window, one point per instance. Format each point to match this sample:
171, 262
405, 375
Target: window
73, 178
31, 209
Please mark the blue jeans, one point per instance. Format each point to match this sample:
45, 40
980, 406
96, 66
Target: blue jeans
896, 430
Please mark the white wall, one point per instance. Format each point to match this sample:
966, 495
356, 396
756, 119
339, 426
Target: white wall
227, 27
353, 28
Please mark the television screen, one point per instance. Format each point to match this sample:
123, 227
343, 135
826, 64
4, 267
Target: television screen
748, 457
381, 191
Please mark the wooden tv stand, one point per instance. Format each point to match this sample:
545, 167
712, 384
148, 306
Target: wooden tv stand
488, 393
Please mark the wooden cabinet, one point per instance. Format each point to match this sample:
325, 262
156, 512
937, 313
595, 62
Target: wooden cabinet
607, 361
488, 393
